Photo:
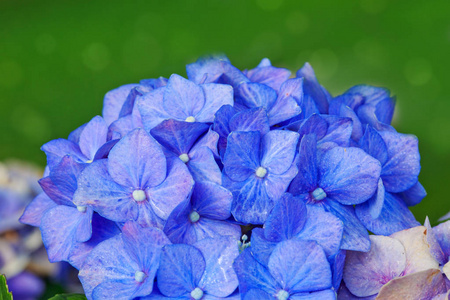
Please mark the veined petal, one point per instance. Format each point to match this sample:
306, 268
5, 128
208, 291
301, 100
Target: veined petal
414, 194
278, 150
114, 100
261, 247
288, 102
312, 88
211, 200
36, 209
216, 95
373, 144
252, 119
93, 136
151, 108
203, 166
251, 94
57, 149
276, 185
374, 206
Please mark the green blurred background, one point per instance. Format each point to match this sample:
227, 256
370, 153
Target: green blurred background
59, 58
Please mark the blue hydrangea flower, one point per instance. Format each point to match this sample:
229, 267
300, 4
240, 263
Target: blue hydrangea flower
203, 217
267, 74
386, 212
193, 144
123, 267
296, 270
336, 180
135, 182
201, 271
258, 171
183, 100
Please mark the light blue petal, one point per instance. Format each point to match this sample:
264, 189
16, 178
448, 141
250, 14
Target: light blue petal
374, 205
203, 166
212, 200
261, 247
93, 136
373, 144
114, 100
36, 209
253, 119
252, 95
268, 75
312, 88
216, 95
151, 108
276, 185
322, 295
210, 140
288, 102
278, 150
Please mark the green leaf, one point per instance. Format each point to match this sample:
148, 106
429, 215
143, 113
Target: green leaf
68, 297
4, 292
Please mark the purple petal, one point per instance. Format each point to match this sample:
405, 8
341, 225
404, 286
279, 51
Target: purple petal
96, 188
394, 216
137, 161
242, 155
366, 272
181, 269
216, 95
421, 285
253, 95
322, 227
36, 209
286, 219
414, 194
178, 184
219, 254
26, 286
113, 102
349, 175
300, 266
178, 136
93, 136
203, 166
278, 150
355, 236
401, 170
418, 256
307, 176
312, 87
373, 144
435, 249
211, 200
182, 98
252, 205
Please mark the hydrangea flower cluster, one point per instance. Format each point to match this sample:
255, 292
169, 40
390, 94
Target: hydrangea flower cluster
150, 200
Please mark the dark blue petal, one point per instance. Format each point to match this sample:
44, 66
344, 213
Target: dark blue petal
401, 170
241, 157
286, 219
373, 144
211, 200
349, 175
178, 136
181, 269
137, 161
339, 130
151, 108
253, 95
135, 92
261, 247
182, 98
394, 216
315, 124
216, 95
414, 194
337, 262
54, 193
104, 150
355, 236
178, 228
300, 266
312, 88
154, 82
307, 176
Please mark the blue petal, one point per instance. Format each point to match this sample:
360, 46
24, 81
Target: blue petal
253, 275
151, 108
269, 75
210, 140
307, 176
54, 193
128, 105
212, 200
442, 234
120, 289
57, 149
241, 157
373, 144
219, 278
286, 219
109, 261
339, 130
300, 266
253, 95
374, 205
216, 95
104, 150
222, 120
257, 294
349, 175
93, 136
97, 189
178, 136
64, 176
314, 124
253, 119
210, 228
178, 228
355, 236
414, 194
322, 295
203, 166
154, 82
36, 209
261, 247
113, 102
337, 262
278, 150
137, 161
252, 205
312, 88
74, 136
181, 269
322, 227
435, 249
182, 98
394, 216
401, 170
178, 184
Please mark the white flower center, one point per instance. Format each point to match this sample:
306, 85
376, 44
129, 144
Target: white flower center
194, 216
190, 119
282, 295
319, 194
139, 195
81, 209
89, 161
261, 172
197, 293
184, 157
139, 276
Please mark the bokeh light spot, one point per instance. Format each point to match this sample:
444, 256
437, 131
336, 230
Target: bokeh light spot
11, 74
30, 124
96, 56
297, 22
418, 71
269, 5
325, 63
